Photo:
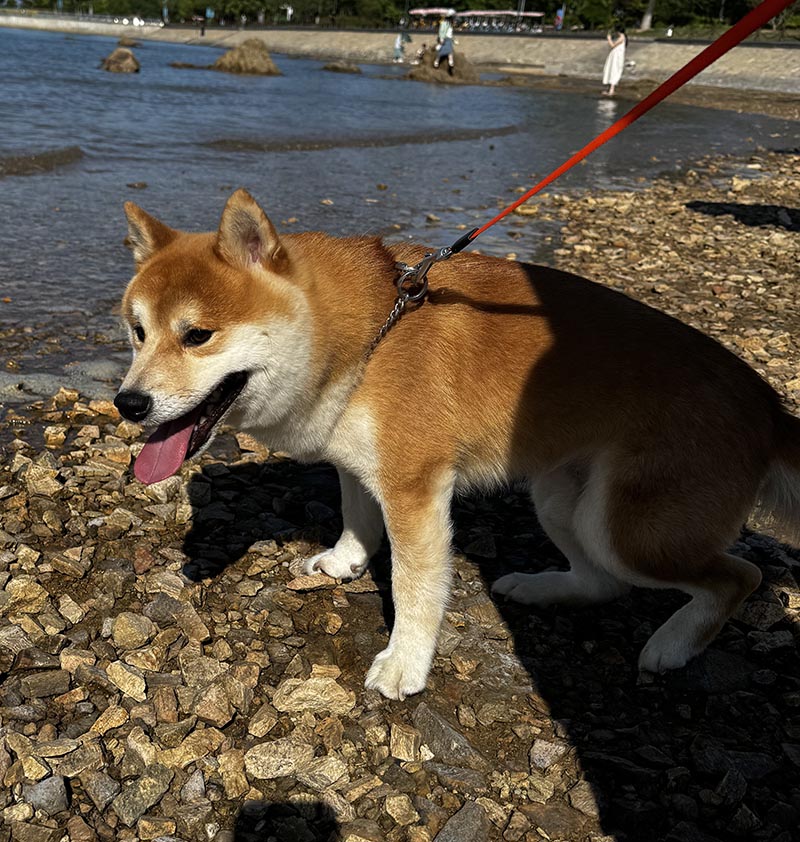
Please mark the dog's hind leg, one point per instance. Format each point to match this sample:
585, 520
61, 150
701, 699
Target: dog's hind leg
556, 496
419, 527
727, 580
361, 535
668, 524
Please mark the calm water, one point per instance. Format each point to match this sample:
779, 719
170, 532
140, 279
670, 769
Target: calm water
192, 136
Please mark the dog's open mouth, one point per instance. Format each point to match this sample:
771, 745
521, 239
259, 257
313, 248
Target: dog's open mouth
175, 441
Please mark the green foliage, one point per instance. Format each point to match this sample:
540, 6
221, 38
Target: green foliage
593, 14
701, 18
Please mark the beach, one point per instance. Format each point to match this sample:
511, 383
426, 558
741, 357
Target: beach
169, 670
752, 78
169, 673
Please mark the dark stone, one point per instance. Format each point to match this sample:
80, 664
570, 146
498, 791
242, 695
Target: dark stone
163, 610
32, 658
395, 776
51, 795
446, 743
24, 832
557, 820
42, 684
190, 818
620, 765
465, 781
716, 671
792, 752
687, 832
433, 816
137, 798
469, 824
100, 788
732, 788
710, 757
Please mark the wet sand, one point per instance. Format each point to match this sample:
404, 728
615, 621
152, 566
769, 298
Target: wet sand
785, 106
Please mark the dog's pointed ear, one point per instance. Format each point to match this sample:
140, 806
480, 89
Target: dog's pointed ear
146, 235
246, 237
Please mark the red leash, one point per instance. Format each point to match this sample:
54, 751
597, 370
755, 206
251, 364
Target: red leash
412, 285
738, 32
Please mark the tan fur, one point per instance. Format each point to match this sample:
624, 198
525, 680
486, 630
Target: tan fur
646, 443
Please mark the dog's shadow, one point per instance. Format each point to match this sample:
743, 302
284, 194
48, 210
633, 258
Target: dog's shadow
704, 753
260, 821
753, 215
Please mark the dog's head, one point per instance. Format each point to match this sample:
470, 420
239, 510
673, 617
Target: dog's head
217, 323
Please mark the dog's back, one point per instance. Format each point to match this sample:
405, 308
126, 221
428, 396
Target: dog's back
646, 443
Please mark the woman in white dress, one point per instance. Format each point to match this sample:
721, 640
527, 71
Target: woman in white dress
615, 61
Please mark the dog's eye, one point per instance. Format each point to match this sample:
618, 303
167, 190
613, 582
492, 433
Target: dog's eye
197, 336
138, 331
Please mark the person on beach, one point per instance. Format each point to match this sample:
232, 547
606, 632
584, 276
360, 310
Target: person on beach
400, 42
445, 46
615, 60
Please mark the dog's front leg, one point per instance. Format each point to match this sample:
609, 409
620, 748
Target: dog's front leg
361, 535
419, 527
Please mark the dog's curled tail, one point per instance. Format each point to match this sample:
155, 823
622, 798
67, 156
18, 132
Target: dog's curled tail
779, 495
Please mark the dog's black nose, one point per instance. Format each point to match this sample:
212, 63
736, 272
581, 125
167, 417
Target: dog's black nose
133, 405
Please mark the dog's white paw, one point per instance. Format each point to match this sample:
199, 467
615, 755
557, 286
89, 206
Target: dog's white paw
337, 564
396, 676
662, 653
525, 588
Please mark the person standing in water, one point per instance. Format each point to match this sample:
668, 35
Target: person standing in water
615, 61
445, 47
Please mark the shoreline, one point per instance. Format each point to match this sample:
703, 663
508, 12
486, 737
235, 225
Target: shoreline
750, 194
749, 79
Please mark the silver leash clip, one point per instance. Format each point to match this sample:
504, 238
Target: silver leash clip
412, 285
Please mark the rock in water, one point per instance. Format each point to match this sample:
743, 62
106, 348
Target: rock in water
342, 67
463, 71
122, 60
250, 57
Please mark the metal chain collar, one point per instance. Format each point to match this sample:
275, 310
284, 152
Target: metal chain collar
412, 287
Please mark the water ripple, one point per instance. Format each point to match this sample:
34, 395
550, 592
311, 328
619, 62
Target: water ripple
310, 145
35, 163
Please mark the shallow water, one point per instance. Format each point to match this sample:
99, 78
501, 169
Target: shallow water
77, 142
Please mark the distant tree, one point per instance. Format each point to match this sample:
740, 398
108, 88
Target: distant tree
780, 21
594, 14
647, 17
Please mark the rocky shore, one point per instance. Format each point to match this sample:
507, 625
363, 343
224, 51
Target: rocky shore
169, 674
751, 66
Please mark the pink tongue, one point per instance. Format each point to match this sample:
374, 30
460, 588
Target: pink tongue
165, 450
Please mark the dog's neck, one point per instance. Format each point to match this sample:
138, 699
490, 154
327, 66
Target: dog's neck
345, 312
349, 308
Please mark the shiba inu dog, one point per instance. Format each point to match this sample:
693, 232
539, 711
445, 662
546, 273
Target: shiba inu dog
644, 443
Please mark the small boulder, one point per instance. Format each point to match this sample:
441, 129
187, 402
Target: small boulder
122, 60
462, 71
342, 67
51, 795
251, 57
